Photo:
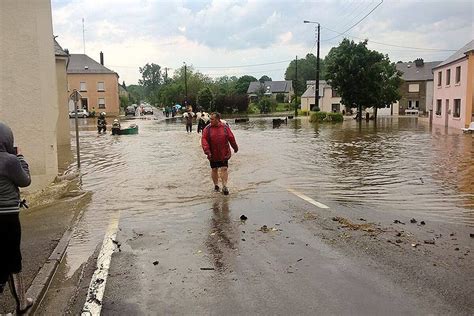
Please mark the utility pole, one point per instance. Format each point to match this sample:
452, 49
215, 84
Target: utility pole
296, 86
317, 74
316, 85
185, 86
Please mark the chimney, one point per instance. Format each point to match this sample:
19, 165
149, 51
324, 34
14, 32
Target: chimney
101, 58
419, 62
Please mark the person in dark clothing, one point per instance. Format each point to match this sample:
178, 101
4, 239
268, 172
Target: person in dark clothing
101, 123
189, 116
14, 173
215, 141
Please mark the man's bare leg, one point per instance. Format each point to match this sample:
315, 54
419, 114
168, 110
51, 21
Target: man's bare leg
224, 176
215, 178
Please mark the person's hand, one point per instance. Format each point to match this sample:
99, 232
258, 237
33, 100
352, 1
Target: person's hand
18, 151
236, 150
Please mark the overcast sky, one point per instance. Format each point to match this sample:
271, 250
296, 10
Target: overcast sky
229, 35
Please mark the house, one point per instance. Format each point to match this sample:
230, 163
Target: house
453, 93
97, 84
417, 87
28, 85
271, 89
329, 100
61, 56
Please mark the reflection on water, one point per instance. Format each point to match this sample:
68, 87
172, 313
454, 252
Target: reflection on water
396, 165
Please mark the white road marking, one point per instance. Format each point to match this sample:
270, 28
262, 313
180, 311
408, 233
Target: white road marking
95, 294
307, 198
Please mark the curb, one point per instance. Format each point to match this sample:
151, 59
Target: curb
42, 280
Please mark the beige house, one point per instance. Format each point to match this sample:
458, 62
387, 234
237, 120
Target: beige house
329, 100
64, 137
97, 84
28, 84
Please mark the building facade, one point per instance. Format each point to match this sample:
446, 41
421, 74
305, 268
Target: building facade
97, 84
453, 91
64, 136
416, 89
28, 84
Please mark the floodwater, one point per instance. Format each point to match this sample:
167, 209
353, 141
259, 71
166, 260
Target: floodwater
398, 165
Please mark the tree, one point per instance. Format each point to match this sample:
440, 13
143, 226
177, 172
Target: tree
136, 93
362, 77
264, 78
306, 71
124, 101
151, 81
243, 83
205, 99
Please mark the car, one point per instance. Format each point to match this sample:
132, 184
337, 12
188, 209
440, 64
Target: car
130, 110
147, 110
80, 113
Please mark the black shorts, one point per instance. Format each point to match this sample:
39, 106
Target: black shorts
10, 236
219, 164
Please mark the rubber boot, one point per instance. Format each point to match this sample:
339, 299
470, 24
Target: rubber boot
23, 304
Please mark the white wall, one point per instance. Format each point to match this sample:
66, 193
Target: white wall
28, 88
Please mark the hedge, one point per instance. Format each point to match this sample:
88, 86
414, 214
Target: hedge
326, 117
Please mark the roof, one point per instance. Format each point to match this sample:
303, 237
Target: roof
273, 86
461, 53
58, 50
309, 93
83, 64
412, 72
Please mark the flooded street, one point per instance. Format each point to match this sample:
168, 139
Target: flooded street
159, 181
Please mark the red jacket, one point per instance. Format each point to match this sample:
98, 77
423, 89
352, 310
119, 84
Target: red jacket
215, 142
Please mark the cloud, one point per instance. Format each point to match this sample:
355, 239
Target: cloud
241, 32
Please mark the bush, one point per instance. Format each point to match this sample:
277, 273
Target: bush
326, 117
231, 103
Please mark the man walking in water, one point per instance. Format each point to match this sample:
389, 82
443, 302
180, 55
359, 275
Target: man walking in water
215, 141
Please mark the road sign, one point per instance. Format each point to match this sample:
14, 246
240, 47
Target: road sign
75, 95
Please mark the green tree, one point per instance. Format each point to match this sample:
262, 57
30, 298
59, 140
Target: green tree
124, 101
362, 77
264, 78
306, 71
151, 81
205, 99
136, 93
243, 83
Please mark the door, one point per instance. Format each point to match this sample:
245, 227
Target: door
85, 104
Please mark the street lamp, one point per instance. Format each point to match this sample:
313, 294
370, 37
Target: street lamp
316, 86
185, 86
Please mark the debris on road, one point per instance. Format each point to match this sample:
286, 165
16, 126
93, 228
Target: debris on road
422, 223
345, 223
207, 269
415, 245
398, 222
471, 235
413, 221
429, 242
155, 262
299, 259
243, 217
266, 229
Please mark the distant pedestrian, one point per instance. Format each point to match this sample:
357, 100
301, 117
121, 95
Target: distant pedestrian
14, 173
215, 141
189, 116
203, 120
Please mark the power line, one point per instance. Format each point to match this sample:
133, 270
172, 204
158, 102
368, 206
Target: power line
392, 45
381, 1
242, 66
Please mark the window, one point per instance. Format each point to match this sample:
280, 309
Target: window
100, 86
413, 104
457, 108
438, 107
334, 93
448, 77
101, 103
414, 87
439, 78
458, 74
447, 107
83, 86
